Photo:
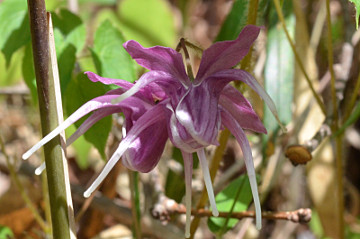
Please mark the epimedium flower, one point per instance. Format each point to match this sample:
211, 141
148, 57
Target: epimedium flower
167, 102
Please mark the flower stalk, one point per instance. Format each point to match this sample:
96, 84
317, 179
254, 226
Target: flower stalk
335, 127
49, 118
135, 203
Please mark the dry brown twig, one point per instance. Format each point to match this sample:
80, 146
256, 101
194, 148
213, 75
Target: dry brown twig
169, 207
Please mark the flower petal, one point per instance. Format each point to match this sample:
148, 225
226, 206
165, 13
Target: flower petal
95, 117
247, 78
151, 91
240, 136
166, 81
240, 108
94, 104
198, 112
179, 135
108, 81
145, 150
152, 116
158, 58
226, 54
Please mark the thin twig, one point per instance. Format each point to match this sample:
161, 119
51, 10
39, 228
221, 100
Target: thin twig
302, 215
297, 57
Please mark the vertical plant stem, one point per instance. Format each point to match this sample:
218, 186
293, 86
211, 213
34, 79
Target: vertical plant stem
252, 16
335, 126
135, 203
49, 119
297, 57
331, 66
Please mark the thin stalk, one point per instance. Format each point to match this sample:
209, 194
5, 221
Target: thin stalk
340, 184
135, 203
331, 66
338, 139
21, 189
297, 57
215, 163
49, 119
353, 98
252, 16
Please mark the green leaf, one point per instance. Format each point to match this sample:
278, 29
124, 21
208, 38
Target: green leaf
72, 29
357, 8
70, 36
110, 58
14, 27
81, 90
82, 149
225, 201
279, 71
150, 22
29, 72
5, 232
235, 21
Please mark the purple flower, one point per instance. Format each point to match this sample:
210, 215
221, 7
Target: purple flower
166, 102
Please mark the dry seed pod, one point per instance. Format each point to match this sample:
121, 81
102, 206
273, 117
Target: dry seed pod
298, 154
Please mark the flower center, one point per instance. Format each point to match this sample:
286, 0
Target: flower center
182, 45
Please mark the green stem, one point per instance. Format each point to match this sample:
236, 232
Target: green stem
49, 119
135, 201
331, 66
340, 185
297, 57
335, 127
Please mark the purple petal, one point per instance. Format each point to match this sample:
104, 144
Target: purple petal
247, 78
108, 81
240, 108
158, 58
163, 79
145, 150
95, 117
240, 136
154, 115
198, 111
151, 91
179, 135
226, 54
94, 104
